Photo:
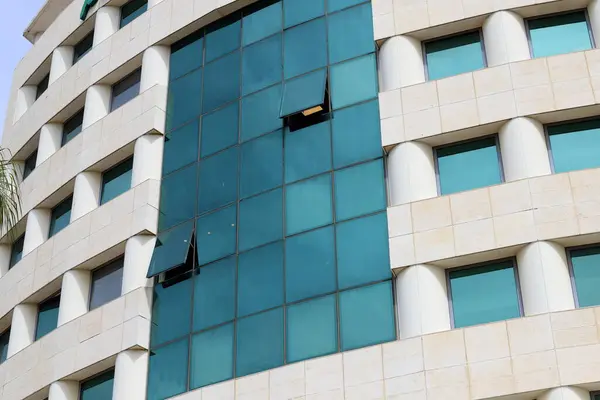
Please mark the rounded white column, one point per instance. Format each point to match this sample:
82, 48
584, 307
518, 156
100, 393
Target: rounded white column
155, 67
138, 253
400, 63
97, 104
86, 194
22, 328
505, 38
62, 60
411, 173
64, 390
50, 142
544, 278
36, 231
593, 10
147, 159
524, 150
25, 99
74, 295
108, 20
131, 370
565, 393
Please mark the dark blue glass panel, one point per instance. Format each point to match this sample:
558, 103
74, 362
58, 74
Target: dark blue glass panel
60, 217
359, 190
262, 23
212, 356
16, 251
98, 388
4, 336
185, 59
116, 181
454, 55
177, 200
215, 235
217, 89
261, 219
575, 146
132, 10
367, 316
363, 251
223, 40
347, 43
335, 5
181, 147
220, 129
308, 204
259, 342
214, 294
304, 92
586, 273
310, 264
125, 90
171, 248
185, 97
107, 283
218, 180
298, 11
307, 152
261, 164
47, 317
167, 371
353, 81
171, 312
305, 48
261, 65
559, 34
260, 113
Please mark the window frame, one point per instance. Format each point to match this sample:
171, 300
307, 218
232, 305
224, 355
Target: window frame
95, 270
137, 71
569, 251
86, 380
12, 248
102, 181
48, 299
594, 395
53, 220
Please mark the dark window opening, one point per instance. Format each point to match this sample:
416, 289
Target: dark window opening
72, 127
42, 86
83, 47
29, 164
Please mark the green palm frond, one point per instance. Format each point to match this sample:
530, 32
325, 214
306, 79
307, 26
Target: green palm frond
10, 199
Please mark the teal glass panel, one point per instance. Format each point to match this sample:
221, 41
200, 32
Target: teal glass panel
177, 201
171, 312
259, 342
215, 235
47, 317
367, 316
212, 356
308, 204
132, 10
184, 99
4, 336
220, 129
356, 134
261, 65
186, 56
362, 251
305, 48
260, 279
260, 113
307, 152
484, 294
261, 164
586, 273
454, 55
310, 264
223, 40
260, 24
298, 11
347, 43
304, 92
98, 388
171, 249
575, 146
214, 294
559, 34
359, 190
261, 219
16, 251
167, 371
181, 147
468, 166
218, 180
353, 81
60, 217
218, 91
335, 5
116, 181
311, 329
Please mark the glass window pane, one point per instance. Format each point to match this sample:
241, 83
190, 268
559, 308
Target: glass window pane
310, 264
367, 316
468, 166
335, 5
559, 34
308, 204
171, 311
353, 81
132, 10
214, 294
47, 319
347, 43
181, 147
215, 235
42, 86
304, 92
212, 356
116, 181
186, 56
305, 48
575, 146
217, 90
83, 47
259, 342
356, 134
29, 164
454, 55
167, 371
218, 180
261, 219
106, 285
260, 113
484, 294
72, 127
177, 202
220, 129
359, 190
262, 23
171, 249
125, 90
307, 152
184, 99
223, 40
261, 65
298, 11
60, 217
99, 387
16, 251
261, 164
363, 251
311, 329
586, 273
4, 345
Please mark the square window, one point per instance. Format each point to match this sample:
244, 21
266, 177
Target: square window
305, 48
261, 219
167, 371
586, 275
177, 203
16, 251
259, 342
116, 181
307, 152
559, 34
308, 204
575, 145
72, 127
359, 190
125, 90
186, 56
470, 165
223, 38
171, 249
107, 282
180, 148
454, 55
297, 11
98, 387
42, 86
216, 235
261, 65
214, 294
83, 47
184, 100
261, 164
305, 94
60, 216
212, 356
353, 81
260, 113
4, 337
220, 129
259, 24
171, 311
347, 43
29, 164
47, 318
132, 10
484, 294
218, 91
218, 180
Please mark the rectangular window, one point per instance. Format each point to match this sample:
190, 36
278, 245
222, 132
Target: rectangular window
116, 181
72, 127
106, 283
98, 387
132, 10
574, 145
469, 165
60, 217
83, 47
47, 317
585, 264
454, 55
484, 293
595, 395
16, 251
559, 34
4, 337
125, 90
29, 164
42, 86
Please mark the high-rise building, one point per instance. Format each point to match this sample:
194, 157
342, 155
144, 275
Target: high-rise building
305, 200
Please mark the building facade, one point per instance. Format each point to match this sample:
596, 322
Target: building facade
305, 199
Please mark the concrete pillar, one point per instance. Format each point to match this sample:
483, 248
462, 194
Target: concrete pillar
131, 370
138, 253
155, 67
411, 173
36, 231
524, 150
62, 60
25, 99
147, 159
74, 295
86, 194
565, 393
593, 10
400, 63
50, 142
544, 278
64, 390
505, 38
97, 104
5, 251
22, 328
108, 21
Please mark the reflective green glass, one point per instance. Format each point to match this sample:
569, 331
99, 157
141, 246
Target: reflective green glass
262, 23
575, 146
304, 92
362, 251
177, 201
220, 129
218, 180
586, 273
47, 319
214, 294
305, 48
215, 235
186, 56
307, 152
298, 11
181, 147
468, 166
223, 40
116, 181
16, 251
454, 55
261, 164
217, 90
171, 312
261, 219
60, 216
311, 329
132, 10
367, 316
559, 34
359, 190
335, 5
347, 43
259, 342
484, 294
308, 204
167, 371
260, 113
4, 336
171, 249
185, 97
353, 81
261, 65
98, 388
212, 356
